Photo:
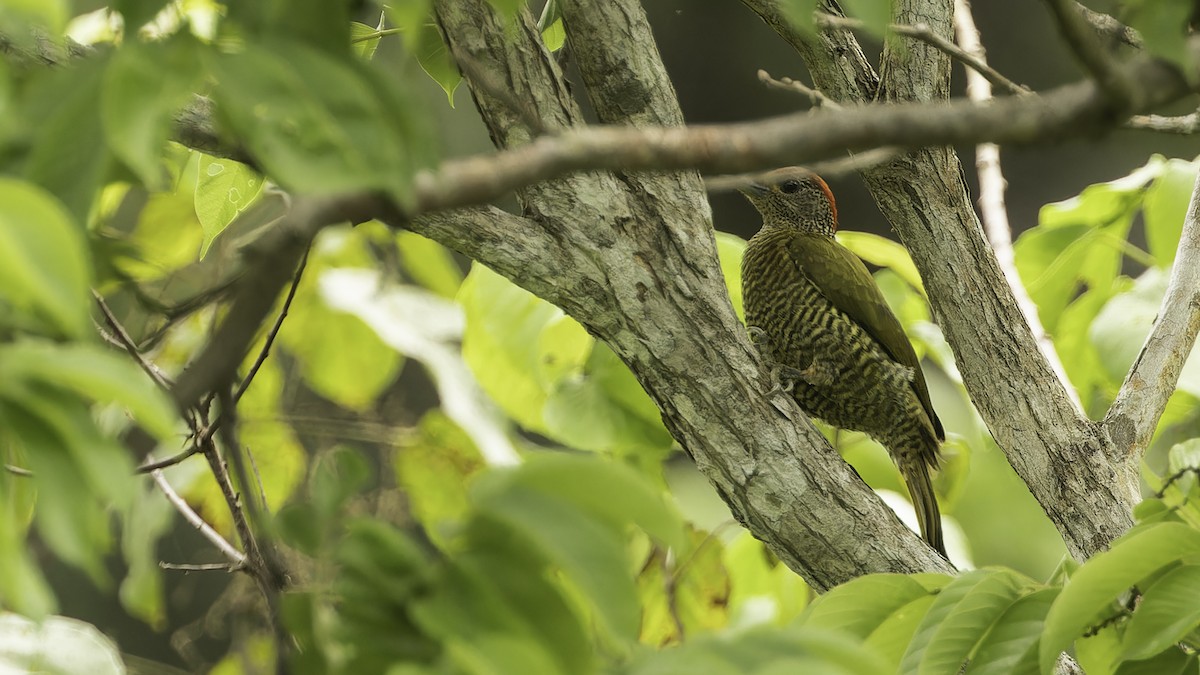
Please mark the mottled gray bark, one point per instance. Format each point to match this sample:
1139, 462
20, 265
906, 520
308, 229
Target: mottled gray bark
632, 256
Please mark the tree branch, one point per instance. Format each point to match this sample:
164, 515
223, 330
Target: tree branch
236, 557
1079, 35
991, 202
974, 62
1134, 414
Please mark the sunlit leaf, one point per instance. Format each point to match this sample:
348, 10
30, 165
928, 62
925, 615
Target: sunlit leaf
224, 188
321, 125
1097, 583
44, 265
144, 84
57, 645
1165, 207
730, 249
1169, 610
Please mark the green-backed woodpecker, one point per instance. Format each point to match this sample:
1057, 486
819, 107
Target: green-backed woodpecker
820, 321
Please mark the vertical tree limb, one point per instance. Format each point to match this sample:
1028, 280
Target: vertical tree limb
1143, 396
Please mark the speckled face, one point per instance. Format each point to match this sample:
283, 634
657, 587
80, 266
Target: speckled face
794, 198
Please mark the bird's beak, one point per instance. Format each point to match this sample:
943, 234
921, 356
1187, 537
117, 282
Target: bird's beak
754, 190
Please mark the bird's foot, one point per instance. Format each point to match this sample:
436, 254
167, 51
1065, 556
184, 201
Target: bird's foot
818, 373
760, 340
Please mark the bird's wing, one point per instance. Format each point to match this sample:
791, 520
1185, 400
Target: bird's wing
843, 278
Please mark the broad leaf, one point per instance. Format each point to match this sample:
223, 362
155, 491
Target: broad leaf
44, 265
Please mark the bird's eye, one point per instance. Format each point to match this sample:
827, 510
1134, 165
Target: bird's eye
789, 186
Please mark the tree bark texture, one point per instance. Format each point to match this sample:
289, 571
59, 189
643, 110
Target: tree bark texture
632, 256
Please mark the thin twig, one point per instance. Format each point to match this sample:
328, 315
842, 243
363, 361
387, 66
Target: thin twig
1082, 39
123, 339
1143, 396
170, 461
1182, 124
202, 567
925, 34
270, 340
993, 211
271, 576
235, 556
834, 168
788, 84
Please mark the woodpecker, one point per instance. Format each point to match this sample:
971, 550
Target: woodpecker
818, 318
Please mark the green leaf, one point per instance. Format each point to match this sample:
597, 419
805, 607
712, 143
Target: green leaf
1170, 662
137, 13
883, 252
589, 552
364, 39
92, 372
683, 593
145, 522
56, 645
44, 264
1168, 611
539, 613
435, 469
1080, 357
1164, 209
1098, 582
323, 24
757, 578
1011, 647
67, 517
1164, 27
68, 155
590, 483
891, 639
554, 36
1099, 653
423, 41
730, 249
224, 188
763, 651
502, 343
958, 619
340, 357
17, 17
144, 84
876, 15
319, 124
1080, 241
429, 264
582, 412
859, 607
800, 14
1121, 327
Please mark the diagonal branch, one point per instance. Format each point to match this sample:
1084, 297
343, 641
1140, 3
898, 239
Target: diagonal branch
1081, 37
974, 62
1134, 414
992, 210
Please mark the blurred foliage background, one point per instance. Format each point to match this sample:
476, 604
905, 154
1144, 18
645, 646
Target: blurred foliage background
405, 379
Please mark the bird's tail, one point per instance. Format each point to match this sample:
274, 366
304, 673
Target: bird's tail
916, 476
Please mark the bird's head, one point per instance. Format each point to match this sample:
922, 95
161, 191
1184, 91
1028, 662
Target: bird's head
794, 198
